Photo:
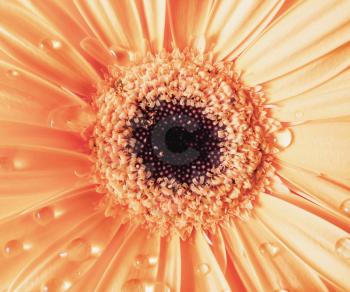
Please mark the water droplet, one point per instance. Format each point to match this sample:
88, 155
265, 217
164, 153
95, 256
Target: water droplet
137, 285
299, 115
281, 290
50, 44
75, 118
203, 269
13, 248
345, 207
283, 138
53, 285
342, 247
44, 215
269, 248
78, 250
13, 73
145, 261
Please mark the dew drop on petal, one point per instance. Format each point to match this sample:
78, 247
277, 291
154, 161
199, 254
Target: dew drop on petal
283, 138
44, 215
342, 247
203, 269
281, 290
345, 207
269, 248
13, 73
13, 248
137, 285
145, 261
49, 44
52, 285
78, 250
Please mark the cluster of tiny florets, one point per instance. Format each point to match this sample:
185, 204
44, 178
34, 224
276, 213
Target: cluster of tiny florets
193, 81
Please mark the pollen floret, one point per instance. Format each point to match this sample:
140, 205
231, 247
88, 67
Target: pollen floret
230, 139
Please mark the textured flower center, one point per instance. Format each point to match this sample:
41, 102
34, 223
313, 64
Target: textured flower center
177, 142
181, 143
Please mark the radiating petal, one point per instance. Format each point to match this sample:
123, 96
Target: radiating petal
24, 237
323, 190
28, 170
323, 148
321, 245
273, 266
45, 51
155, 14
307, 31
219, 249
312, 74
25, 97
328, 100
12, 133
170, 263
233, 25
200, 269
188, 20
116, 24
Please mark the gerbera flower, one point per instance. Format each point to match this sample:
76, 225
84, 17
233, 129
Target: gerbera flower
174, 145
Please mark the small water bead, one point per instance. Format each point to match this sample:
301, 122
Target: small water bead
145, 261
299, 115
283, 138
269, 248
78, 250
138, 285
50, 44
203, 269
53, 285
13, 73
13, 248
345, 207
44, 215
342, 247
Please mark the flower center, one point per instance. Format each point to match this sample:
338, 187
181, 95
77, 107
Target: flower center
176, 141
181, 143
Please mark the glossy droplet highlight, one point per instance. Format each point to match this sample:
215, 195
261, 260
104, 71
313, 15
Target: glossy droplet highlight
345, 207
53, 285
50, 44
342, 248
145, 261
13, 73
299, 115
283, 138
137, 285
203, 269
73, 118
44, 215
269, 248
78, 250
13, 248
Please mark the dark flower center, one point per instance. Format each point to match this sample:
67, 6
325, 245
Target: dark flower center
177, 141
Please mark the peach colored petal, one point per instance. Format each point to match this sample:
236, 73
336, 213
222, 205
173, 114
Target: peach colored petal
328, 100
219, 249
13, 133
188, 20
115, 24
307, 31
321, 147
37, 229
200, 269
273, 266
233, 25
26, 170
324, 191
25, 97
97, 51
41, 48
170, 263
313, 74
319, 244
